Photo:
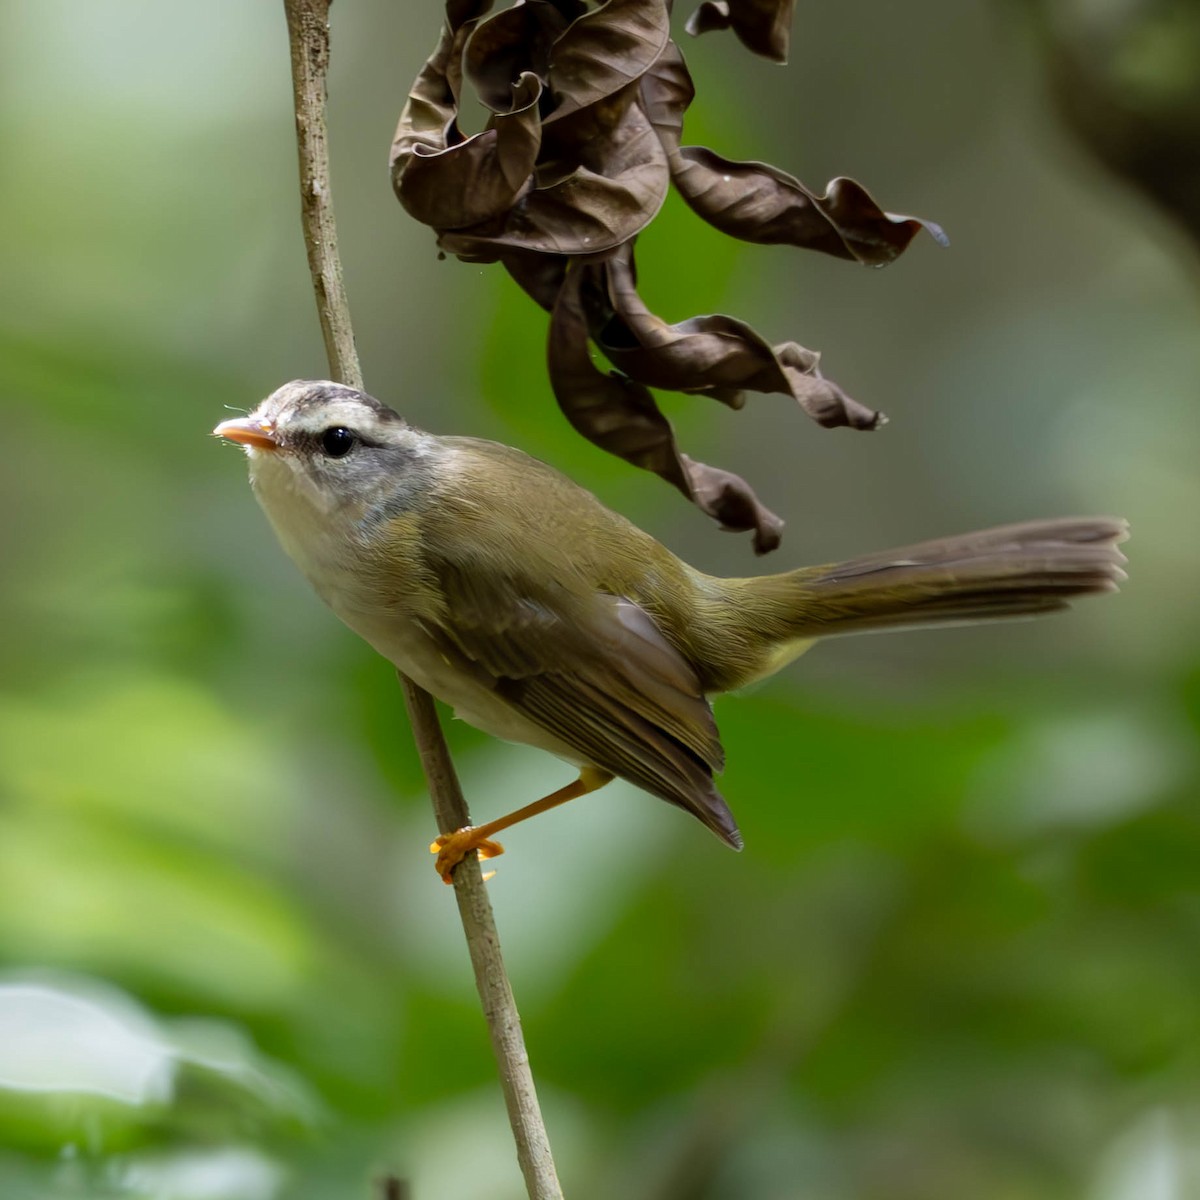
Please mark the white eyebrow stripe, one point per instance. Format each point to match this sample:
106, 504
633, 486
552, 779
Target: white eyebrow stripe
336, 412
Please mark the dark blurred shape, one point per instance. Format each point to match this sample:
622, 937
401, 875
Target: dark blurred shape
582, 142
764, 26
1127, 79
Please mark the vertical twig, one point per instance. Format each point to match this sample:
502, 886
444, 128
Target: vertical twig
308, 33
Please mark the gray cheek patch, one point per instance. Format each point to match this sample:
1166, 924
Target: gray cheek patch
401, 478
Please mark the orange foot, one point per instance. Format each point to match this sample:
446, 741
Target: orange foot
452, 848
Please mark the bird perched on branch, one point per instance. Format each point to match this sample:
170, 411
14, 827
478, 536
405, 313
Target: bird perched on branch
512, 594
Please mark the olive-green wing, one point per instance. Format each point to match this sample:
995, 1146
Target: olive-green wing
595, 671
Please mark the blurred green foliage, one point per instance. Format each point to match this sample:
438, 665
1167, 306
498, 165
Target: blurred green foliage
958, 957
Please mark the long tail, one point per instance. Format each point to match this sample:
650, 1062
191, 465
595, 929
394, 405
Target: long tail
1012, 571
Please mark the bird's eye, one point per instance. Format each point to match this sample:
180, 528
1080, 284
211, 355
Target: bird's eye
338, 441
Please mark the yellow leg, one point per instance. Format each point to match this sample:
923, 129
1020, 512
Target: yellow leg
452, 848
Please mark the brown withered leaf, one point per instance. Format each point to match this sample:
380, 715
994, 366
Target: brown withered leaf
454, 62
480, 177
506, 45
731, 500
620, 415
603, 176
667, 90
715, 355
606, 50
458, 12
615, 412
710, 15
587, 101
764, 26
430, 109
756, 202
759, 203
819, 397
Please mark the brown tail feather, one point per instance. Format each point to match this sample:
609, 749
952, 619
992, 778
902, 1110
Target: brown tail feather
1011, 571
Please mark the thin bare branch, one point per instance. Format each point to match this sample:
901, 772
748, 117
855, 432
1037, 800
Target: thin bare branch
308, 32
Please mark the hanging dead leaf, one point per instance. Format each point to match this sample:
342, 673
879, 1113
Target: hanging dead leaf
715, 352
620, 415
606, 50
507, 45
756, 202
764, 26
602, 178
585, 135
481, 177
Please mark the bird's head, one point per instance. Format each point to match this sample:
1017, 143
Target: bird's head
324, 446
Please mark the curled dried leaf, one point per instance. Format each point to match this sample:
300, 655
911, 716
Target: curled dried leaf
431, 106
819, 397
621, 416
458, 12
759, 203
666, 92
606, 50
479, 178
587, 101
454, 64
764, 26
710, 15
716, 355
756, 202
602, 178
615, 412
731, 500
508, 44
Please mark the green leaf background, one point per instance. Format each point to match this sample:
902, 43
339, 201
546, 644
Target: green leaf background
958, 956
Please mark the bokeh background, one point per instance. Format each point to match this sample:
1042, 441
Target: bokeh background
960, 956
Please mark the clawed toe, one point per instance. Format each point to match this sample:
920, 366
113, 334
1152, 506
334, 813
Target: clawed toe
452, 848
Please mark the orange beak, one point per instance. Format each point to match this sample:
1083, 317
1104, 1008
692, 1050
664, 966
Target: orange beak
246, 431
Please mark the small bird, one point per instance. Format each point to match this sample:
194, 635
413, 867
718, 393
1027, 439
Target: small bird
540, 616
